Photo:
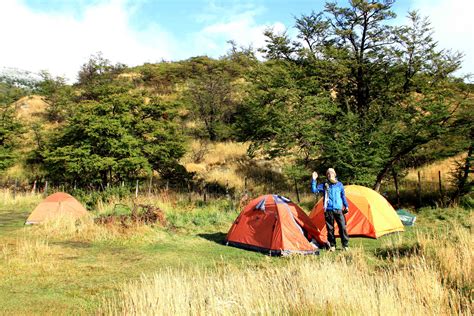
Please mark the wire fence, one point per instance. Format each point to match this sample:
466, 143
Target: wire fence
424, 191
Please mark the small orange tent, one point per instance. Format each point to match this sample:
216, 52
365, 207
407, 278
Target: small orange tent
370, 214
54, 206
275, 225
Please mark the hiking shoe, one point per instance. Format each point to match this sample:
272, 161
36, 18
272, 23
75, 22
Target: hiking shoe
345, 248
332, 249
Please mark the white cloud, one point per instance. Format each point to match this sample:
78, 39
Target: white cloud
453, 25
237, 23
61, 43
242, 29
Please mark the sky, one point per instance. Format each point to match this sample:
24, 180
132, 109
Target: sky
60, 35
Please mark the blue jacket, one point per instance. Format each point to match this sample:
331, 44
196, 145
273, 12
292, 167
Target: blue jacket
336, 195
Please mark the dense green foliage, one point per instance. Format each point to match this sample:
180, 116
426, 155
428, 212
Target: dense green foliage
357, 94
11, 90
114, 133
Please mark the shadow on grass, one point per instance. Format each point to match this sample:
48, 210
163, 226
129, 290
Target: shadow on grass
13, 219
74, 244
405, 250
218, 238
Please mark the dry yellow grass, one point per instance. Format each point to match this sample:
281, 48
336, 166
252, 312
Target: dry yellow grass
26, 251
436, 279
25, 255
301, 287
217, 161
455, 262
227, 163
130, 75
199, 168
226, 176
86, 230
30, 108
221, 153
8, 198
430, 172
67, 228
212, 153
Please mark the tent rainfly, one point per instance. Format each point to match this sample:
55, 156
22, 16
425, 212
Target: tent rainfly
370, 214
54, 206
275, 225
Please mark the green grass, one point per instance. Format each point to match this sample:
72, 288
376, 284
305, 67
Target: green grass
83, 272
71, 276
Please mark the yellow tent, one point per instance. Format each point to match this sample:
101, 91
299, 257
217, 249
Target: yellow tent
370, 214
56, 205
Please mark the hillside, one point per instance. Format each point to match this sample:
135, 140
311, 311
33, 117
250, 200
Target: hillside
224, 163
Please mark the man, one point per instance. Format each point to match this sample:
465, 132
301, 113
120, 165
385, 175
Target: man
335, 206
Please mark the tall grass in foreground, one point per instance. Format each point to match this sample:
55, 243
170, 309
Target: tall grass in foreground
433, 277
301, 287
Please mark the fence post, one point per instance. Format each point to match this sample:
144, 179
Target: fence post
33, 190
150, 184
75, 185
14, 188
136, 189
419, 189
46, 188
440, 184
397, 189
227, 190
189, 190
297, 192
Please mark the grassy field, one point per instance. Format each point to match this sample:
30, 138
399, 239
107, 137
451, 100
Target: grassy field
183, 268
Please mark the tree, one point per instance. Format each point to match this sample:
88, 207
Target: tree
210, 101
11, 90
115, 134
426, 100
365, 96
98, 68
58, 96
362, 32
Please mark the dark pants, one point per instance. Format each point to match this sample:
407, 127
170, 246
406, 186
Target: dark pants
330, 216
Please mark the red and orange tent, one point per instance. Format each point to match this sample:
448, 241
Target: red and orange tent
275, 225
370, 214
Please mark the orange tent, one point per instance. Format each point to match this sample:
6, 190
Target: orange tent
370, 214
275, 225
54, 206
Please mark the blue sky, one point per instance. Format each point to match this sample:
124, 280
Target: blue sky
60, 35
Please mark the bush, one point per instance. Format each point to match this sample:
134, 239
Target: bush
90, 199
467, 201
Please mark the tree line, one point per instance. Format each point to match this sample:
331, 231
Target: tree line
350, 91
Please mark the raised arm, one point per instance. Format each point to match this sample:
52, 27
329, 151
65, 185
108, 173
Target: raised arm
315, 187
